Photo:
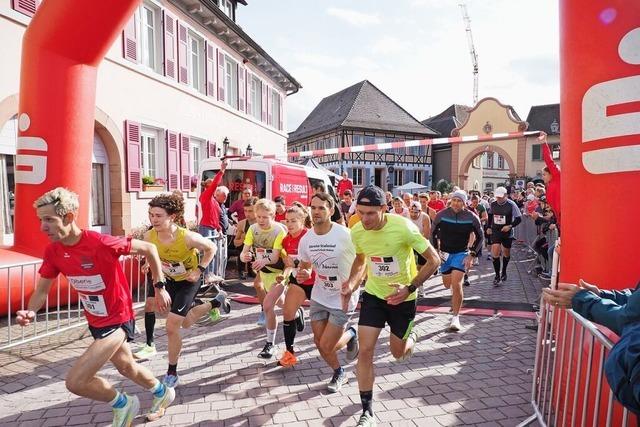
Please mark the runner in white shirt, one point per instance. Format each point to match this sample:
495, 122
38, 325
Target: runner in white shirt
327, 248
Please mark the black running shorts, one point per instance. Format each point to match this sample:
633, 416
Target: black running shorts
376, 312
305, 288
502, 239
128, 327
182, 293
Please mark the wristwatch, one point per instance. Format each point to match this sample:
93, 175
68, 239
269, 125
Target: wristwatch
201, 268
473, 253
412, 288
160, 285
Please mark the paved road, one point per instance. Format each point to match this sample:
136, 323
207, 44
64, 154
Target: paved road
478, 377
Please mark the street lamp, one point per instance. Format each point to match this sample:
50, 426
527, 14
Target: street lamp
249, 150
225, 146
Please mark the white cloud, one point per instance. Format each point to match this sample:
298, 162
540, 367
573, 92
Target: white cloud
389, 44
353, 17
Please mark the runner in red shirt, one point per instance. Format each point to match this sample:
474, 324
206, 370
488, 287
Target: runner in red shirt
297, 293
281, 209
435, 202
90, 262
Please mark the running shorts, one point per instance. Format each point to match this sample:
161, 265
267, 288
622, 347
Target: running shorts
454, 261
501, 238
319, 312
376, 312
129, 328
182, 293
307, 289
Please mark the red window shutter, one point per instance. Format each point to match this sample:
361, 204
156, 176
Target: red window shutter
130, 40
248, 92
221, 76
269, 107
183, 69
134, 154
28, 7
280, 115
211, 149
185, 164
211, 70
242, 88
173, 173
264, 102
169, 23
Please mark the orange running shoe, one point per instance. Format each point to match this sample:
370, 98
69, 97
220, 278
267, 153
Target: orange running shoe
287, 360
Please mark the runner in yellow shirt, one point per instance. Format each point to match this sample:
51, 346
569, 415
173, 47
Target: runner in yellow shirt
384, 245
264, 242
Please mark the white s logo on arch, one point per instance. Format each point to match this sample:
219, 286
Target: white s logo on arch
30, 168
596, 124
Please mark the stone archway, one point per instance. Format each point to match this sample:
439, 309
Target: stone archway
463, 174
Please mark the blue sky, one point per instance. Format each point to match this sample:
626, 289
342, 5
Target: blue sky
413, 50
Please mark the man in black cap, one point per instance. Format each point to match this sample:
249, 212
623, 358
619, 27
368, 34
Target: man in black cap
384, 245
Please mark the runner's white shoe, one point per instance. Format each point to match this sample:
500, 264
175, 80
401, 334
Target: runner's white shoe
454, 326
123, 417
160, 404
146, 352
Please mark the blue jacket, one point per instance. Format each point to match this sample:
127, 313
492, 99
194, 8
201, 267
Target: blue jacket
620, 312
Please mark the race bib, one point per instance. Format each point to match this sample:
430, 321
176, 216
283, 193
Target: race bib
384, 266
499, 219
173, 268
263, 254
444, 255
87, 283
329, 283
94, 304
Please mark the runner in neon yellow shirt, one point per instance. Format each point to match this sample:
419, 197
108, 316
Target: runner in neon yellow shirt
384, 246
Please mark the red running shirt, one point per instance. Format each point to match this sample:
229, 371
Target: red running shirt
290, 246
93, 268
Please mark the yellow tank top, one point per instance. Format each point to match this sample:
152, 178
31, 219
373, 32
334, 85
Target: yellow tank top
177, 259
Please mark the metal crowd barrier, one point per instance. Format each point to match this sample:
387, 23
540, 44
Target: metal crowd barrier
60, 312
569, 386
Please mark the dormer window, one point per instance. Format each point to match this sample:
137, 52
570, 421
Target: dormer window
227, 7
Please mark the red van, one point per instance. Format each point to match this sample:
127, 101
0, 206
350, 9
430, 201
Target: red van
267, 178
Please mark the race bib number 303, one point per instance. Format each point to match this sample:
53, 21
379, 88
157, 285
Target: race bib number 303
384, 266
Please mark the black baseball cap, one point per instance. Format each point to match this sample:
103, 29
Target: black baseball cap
371, 195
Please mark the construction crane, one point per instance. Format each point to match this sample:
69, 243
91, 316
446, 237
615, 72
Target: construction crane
472, 50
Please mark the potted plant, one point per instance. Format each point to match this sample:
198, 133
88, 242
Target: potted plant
150, 183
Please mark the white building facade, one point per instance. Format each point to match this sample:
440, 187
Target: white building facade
181, 83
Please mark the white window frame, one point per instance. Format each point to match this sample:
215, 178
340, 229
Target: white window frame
357, 175
417, 176
197, 152
231, 81
275, 108
156, 25
195, 60
226, 7
398, 177
500, 162
160, 169
490, 162
256, 97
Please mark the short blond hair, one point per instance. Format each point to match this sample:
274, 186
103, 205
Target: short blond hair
62, 199
266, 205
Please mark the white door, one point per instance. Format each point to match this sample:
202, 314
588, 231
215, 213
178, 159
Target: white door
100, 211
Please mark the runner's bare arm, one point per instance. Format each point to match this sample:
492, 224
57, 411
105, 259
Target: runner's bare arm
196, 241
427, 270
357, 270
37, 300
238, 240
304, 272
245, 255
150, 252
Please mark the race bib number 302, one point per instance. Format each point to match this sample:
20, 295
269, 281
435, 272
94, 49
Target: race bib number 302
94, 304
384, 266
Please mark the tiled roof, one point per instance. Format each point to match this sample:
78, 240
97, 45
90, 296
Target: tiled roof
448, 120
545, 118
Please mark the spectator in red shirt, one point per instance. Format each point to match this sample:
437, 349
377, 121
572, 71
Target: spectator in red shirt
91, 263
281, 209
210, 226
551, 177
344, 184
237, 207
435, 202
